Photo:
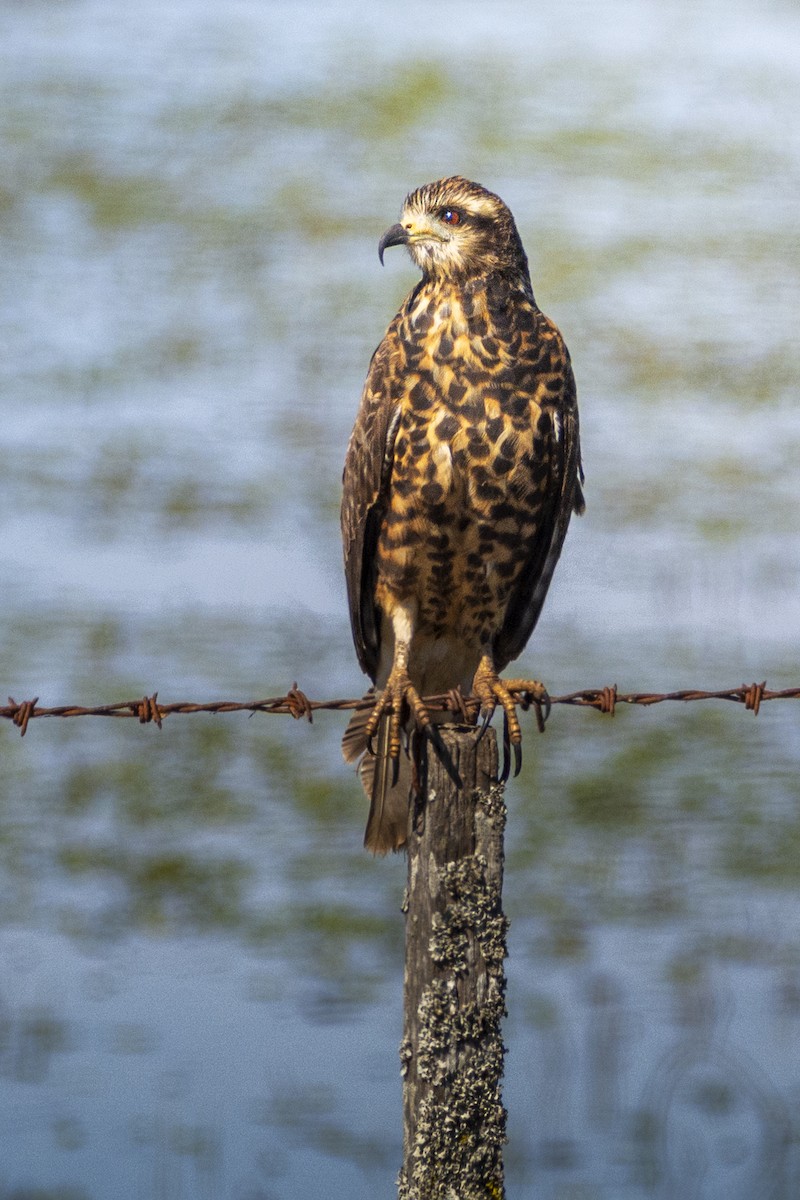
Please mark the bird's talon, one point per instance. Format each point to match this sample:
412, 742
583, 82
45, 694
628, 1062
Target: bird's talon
485, 717
371, 727
506, 751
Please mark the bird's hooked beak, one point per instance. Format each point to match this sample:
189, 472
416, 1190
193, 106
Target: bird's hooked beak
397, 235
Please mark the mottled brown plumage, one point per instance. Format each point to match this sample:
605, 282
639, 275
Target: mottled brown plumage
461, 474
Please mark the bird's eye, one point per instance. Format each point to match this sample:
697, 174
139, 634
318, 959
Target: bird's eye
451, 216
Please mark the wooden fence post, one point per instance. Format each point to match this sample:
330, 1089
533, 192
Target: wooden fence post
454, 989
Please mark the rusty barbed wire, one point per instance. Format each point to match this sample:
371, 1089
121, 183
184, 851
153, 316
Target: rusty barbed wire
151, 710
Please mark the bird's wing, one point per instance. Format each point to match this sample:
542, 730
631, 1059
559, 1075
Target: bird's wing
367, 471
557, 450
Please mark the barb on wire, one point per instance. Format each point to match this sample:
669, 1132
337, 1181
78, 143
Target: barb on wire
296, 704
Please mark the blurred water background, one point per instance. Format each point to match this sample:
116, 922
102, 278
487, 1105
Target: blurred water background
200, 970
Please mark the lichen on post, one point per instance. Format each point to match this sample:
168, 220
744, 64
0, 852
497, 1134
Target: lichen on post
454, 990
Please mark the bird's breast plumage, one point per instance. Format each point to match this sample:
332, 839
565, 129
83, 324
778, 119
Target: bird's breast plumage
471, 459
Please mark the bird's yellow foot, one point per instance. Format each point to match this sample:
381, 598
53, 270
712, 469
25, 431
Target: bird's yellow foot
399, 690
490, 688
530, 691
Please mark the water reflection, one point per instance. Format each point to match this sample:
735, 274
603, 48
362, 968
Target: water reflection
723, 1127
702, 1118
199, 969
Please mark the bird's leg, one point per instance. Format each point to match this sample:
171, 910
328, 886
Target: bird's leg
397, 690
489, 688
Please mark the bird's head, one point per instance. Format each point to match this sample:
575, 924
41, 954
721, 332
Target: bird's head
455, 229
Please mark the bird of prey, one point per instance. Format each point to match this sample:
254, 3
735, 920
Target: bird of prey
461, 475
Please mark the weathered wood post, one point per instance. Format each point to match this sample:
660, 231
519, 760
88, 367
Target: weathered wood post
454, 991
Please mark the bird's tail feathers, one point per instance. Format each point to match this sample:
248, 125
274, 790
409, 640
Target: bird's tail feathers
387, 784
354, 742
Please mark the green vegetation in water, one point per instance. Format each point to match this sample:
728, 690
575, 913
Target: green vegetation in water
163, 890
616, 793
115, 201
765, 847
385, 108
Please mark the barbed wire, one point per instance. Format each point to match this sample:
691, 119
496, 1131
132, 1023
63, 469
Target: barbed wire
296, 704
